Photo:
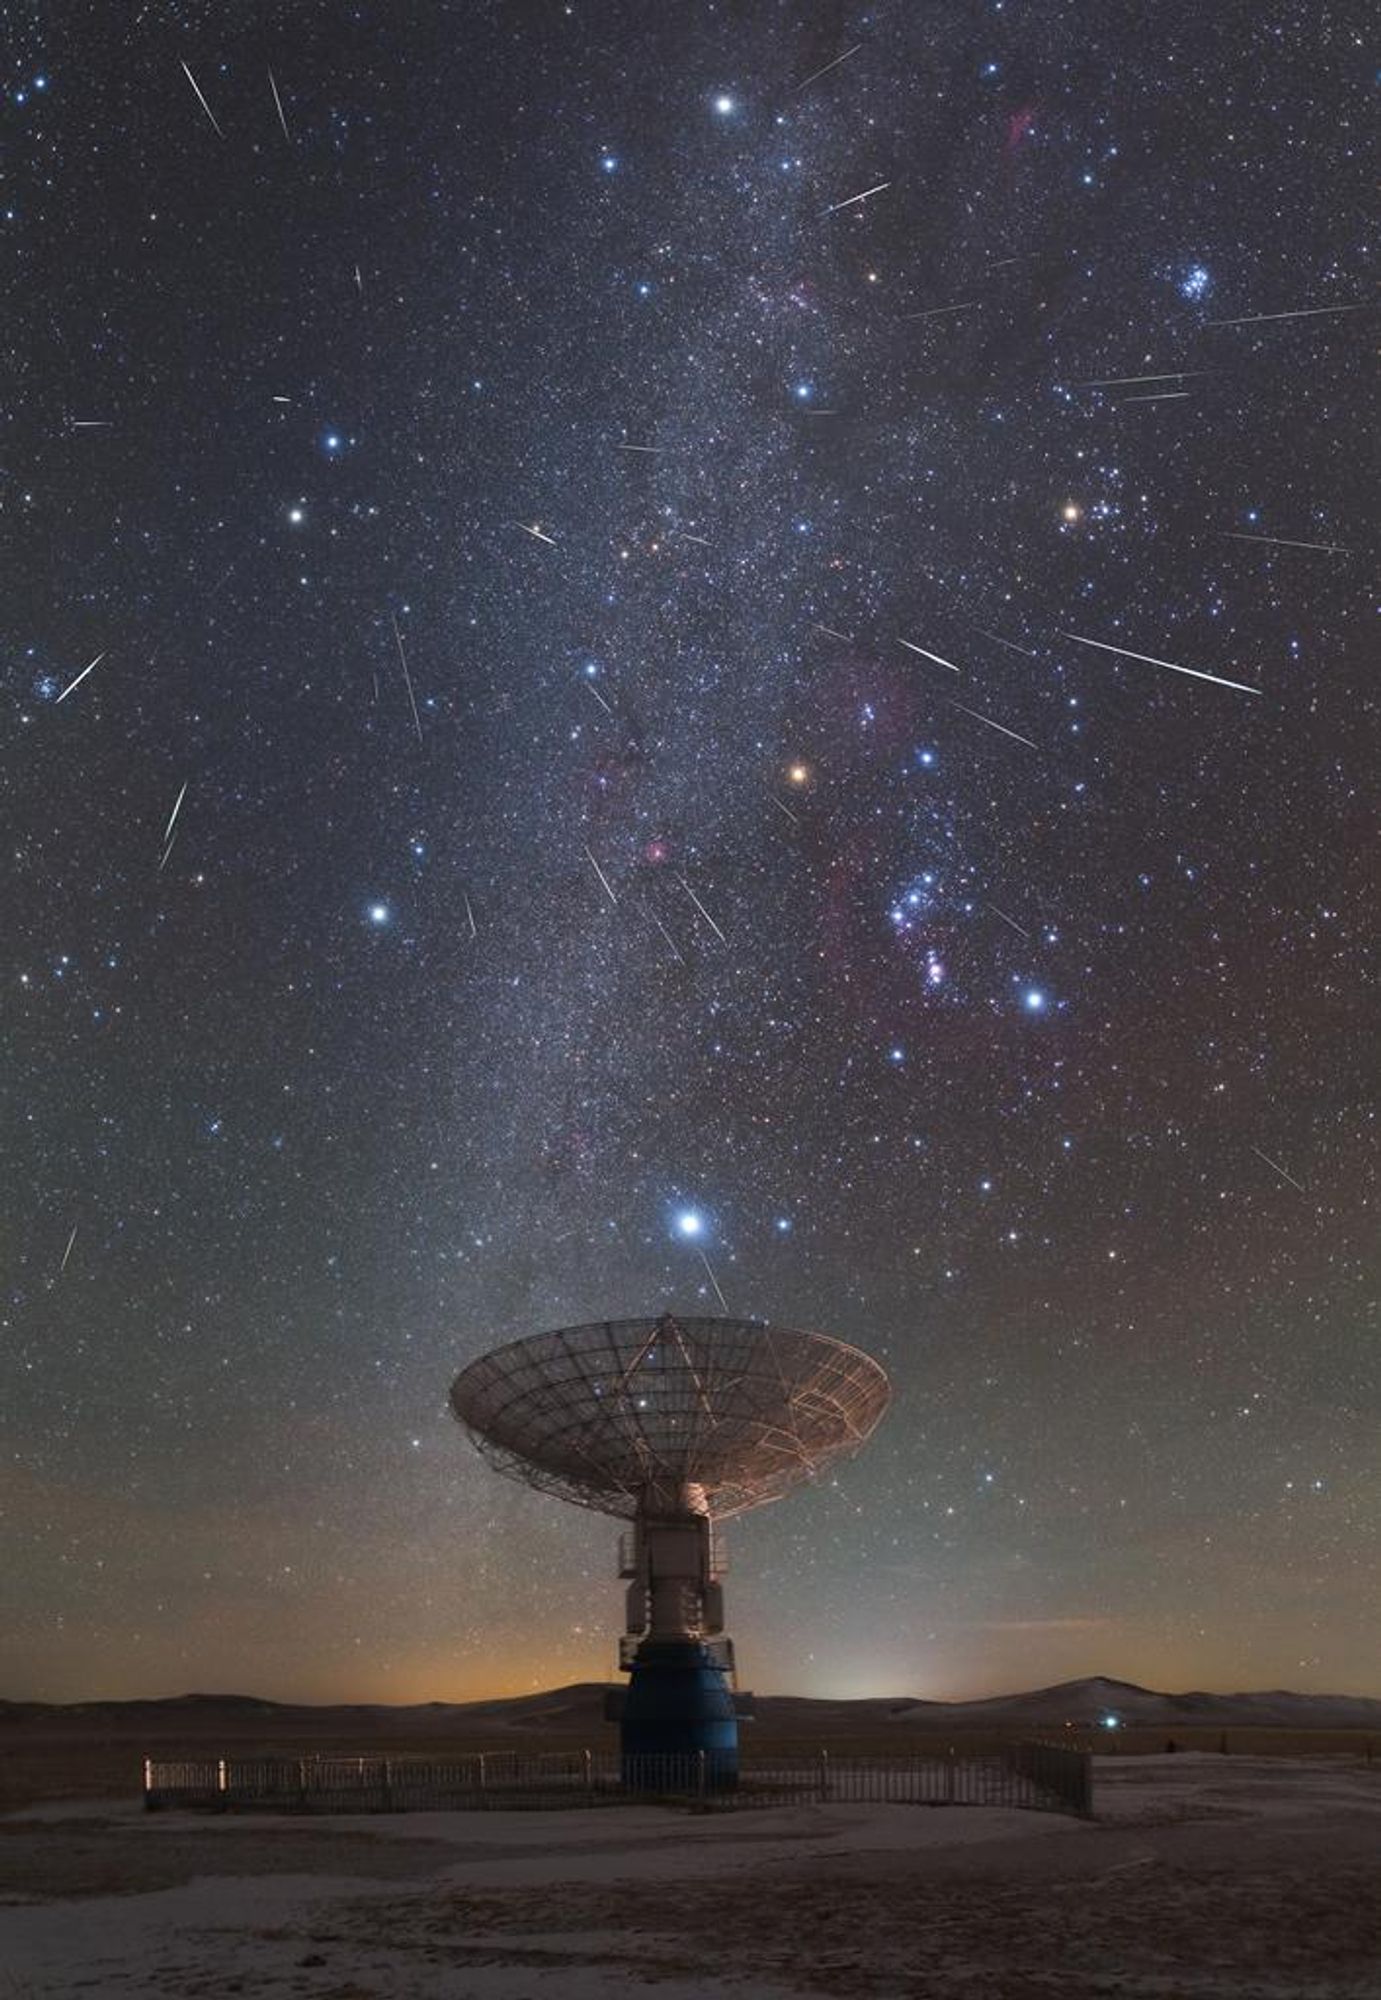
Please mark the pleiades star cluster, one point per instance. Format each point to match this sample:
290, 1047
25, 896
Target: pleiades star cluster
703, 657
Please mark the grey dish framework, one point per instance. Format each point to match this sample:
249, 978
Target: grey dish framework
621, 1414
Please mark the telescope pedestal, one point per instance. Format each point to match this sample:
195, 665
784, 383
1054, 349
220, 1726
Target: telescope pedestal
679, 1703
673, 1425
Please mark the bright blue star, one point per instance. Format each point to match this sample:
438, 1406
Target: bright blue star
804, 391
724, 105
609, 162
332, 443
690, 1223
379, 914
783, 1225
1033, 1000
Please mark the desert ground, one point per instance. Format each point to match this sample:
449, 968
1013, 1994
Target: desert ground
1202, 1877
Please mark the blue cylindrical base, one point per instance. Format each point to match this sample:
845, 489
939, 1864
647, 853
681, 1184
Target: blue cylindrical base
679, 1704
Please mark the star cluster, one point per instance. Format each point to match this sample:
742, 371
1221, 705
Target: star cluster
649, 663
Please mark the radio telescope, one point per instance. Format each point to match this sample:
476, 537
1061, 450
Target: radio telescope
675, 1425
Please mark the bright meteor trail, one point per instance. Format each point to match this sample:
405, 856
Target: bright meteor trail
1194, 672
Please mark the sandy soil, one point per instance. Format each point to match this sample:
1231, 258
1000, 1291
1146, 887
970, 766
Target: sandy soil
1203, 1878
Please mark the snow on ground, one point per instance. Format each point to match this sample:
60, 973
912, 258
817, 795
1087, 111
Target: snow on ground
1203, 1878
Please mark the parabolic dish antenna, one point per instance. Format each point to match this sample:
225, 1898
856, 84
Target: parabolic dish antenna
674, 1424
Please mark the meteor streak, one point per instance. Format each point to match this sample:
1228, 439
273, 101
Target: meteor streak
1010, 644
278, 105
931, 312
676, 950
1301, 312
1280, 542
1193, 672
826, 67
598, 696
835, 207
407, 678
80, 678
1120, 381
1000, 727
709, 1273
1274, 1164
603, 878
172, 816
929, 655
202, 101
1009, 920
703, 911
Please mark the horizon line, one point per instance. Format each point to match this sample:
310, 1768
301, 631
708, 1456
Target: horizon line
1081, 1681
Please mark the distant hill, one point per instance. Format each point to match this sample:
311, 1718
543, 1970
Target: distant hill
579, 1709
1098, 1698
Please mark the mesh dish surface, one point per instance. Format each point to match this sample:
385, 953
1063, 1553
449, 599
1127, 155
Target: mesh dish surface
621, 1413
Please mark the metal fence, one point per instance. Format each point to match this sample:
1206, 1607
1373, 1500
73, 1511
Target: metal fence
1040, 1777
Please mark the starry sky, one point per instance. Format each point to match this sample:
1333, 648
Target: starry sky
677, 657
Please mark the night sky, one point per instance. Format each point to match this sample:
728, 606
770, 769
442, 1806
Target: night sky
614, 773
